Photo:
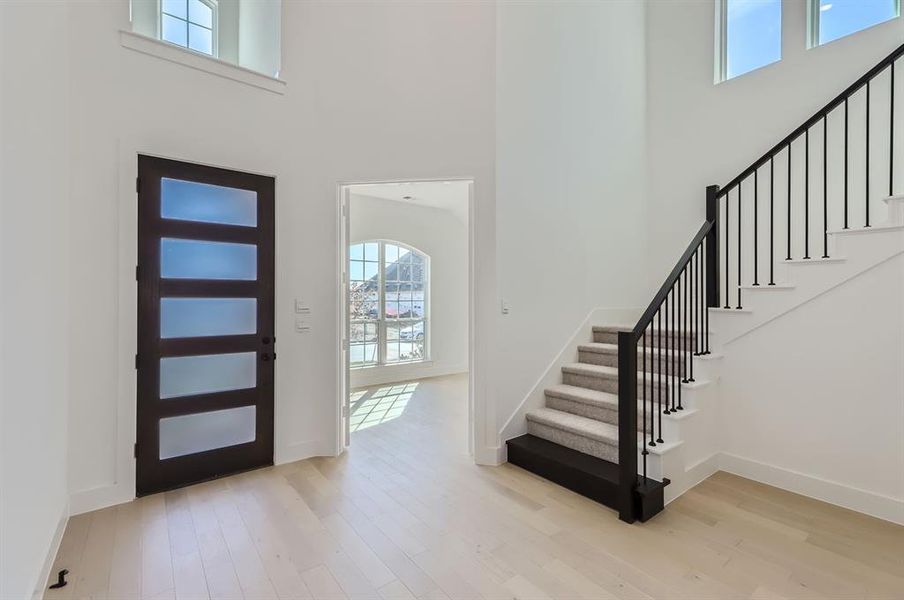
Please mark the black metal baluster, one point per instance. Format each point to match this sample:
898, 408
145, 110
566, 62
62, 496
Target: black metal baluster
685, 326
740, 213
695, 272
756, 195
807, 194
771, 223
691, 338
665, 307
727, 247
706, 304
644, 400
845, 163
789, 202
659, 373
647, 368
669, 311
695, 326
694, 300
825, 187
891, 133
676, 347
867, 154
701, 285
676, 391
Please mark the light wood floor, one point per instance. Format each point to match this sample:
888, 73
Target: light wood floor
405, 514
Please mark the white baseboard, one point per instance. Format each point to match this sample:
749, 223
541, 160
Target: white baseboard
112, 494
692, 476
863, 501
516, 424
371, 376
302, 450
44, 578
491, 456
99, 497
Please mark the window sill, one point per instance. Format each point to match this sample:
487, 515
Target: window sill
200, 62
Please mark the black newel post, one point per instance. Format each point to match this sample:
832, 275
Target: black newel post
627, 425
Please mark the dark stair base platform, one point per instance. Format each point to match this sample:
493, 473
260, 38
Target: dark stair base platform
587, 475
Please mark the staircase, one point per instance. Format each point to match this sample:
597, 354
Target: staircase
579, 424
621, 424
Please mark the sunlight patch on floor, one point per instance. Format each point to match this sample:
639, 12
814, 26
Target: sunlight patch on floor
374, 406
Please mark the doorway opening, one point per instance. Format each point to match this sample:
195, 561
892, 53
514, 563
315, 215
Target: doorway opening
406, 311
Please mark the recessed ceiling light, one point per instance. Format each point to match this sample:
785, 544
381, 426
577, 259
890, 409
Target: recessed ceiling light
406, 197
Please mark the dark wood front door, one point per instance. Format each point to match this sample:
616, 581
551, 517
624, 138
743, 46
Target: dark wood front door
206, 348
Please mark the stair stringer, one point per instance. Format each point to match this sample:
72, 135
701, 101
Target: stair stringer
516, 424
853, 252
696, 457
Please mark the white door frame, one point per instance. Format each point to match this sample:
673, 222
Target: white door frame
344, 211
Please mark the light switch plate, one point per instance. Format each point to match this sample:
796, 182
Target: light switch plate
301, 308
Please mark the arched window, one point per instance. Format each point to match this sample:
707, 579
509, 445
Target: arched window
389, 286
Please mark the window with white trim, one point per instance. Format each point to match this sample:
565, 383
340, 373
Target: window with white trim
245, 33
834, 19
191, 24
750, 36
387, 298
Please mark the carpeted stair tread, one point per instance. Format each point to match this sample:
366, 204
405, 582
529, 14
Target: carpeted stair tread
582, 426
601, 348
583, 395
618, 328
591, 370
612, 328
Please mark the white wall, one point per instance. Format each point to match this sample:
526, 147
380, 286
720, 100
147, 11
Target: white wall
571, 97
33, 315
814, 400
444, 238
427, 114
701, 133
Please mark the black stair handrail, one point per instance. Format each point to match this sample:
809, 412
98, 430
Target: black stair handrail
647, 317
818, 125
682, 300
815, 119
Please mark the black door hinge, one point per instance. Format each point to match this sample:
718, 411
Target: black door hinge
137, 185
135, 450
136, 272
136, 361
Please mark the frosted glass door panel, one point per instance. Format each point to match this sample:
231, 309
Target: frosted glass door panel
197, 259
189, 434
205, 374
202, 317
205, 203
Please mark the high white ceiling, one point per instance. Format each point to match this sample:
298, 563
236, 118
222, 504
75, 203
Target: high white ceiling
444, 195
